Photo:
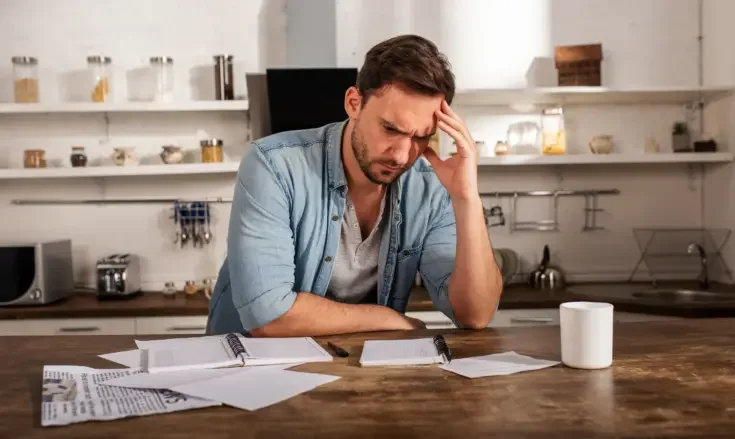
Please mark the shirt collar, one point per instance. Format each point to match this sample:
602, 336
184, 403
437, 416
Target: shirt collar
335, 167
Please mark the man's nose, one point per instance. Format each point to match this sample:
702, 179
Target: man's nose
400, 151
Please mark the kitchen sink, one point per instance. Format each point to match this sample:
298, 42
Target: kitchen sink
685, 295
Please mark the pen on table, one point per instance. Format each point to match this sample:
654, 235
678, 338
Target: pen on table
338, 350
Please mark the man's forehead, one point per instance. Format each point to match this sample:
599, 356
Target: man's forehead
418, 127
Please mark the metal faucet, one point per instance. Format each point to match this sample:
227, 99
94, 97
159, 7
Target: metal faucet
703, 278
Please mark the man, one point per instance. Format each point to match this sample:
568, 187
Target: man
329, 226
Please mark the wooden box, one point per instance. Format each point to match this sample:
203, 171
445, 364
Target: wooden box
579, 65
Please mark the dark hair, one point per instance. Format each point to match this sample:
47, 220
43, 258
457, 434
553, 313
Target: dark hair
409, 60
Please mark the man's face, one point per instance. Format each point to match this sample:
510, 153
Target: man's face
391, 131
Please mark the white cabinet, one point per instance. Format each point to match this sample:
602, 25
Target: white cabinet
99, 326
195, 325
505, 318
620, 316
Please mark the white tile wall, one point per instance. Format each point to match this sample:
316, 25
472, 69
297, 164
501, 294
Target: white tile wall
488, 44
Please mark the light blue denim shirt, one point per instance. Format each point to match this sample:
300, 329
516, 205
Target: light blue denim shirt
285, 226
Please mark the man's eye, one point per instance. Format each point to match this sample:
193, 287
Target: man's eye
390, 129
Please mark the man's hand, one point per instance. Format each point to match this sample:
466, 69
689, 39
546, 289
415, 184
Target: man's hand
458, 174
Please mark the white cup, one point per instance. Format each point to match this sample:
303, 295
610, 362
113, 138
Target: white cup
586, 334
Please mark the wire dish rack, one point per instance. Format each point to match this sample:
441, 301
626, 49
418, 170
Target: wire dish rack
664, 252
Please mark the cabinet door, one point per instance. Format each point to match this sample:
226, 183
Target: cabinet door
505, 318
637, 317
196, 325
103, 326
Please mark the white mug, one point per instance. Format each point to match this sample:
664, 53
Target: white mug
586, 334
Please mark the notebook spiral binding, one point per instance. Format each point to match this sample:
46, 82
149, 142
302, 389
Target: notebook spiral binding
235, 345
442, 347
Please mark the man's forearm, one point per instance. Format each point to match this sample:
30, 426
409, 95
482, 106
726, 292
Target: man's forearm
475, 284
313, 315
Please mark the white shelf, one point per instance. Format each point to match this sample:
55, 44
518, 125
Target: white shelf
600, 159
232, 167
121, 171
588, 95
123, 107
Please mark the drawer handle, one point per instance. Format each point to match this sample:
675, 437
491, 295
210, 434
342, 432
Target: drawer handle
531, 319
80, 329
186, 328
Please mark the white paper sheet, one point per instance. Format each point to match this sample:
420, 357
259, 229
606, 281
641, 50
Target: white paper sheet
168, 343
505, 363
134, 359
167, 380
251, 390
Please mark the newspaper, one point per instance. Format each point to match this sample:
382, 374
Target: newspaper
72, 394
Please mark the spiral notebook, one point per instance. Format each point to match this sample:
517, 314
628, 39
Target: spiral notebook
231, 350
420, 351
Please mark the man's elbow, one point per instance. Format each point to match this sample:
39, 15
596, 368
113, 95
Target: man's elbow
476, 321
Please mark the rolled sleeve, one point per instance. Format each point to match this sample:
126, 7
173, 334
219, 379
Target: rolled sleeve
438, 255
260, 249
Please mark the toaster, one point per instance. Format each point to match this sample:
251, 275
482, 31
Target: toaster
118, 276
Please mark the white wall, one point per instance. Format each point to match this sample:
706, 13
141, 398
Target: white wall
491, 43
719, 62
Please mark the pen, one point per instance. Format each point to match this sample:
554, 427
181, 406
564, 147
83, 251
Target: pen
338, 350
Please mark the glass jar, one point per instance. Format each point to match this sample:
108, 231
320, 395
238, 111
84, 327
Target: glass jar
163, 78
100, 68
501, 148
212, 151
25, 79
78, 157
553, 134
34, 158
190, 288
169, 290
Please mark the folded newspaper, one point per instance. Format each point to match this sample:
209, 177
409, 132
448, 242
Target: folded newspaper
73, 394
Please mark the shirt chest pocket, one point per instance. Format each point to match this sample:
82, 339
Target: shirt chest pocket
407, 264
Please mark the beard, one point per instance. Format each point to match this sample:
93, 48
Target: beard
360, 150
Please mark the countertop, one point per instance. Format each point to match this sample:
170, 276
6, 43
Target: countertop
668, 379
154, 304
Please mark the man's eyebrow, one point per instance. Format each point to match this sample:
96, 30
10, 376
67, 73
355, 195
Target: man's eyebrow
393, 126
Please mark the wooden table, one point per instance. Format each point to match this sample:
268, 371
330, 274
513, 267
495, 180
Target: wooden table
668, 379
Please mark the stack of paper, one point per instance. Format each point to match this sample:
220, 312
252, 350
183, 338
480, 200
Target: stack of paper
190, 373
496, 364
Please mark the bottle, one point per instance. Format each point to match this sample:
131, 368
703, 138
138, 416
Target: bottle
223, 78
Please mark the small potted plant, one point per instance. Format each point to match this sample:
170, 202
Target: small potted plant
680, 140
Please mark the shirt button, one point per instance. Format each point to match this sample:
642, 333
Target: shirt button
335, 218
328, 259
354, 226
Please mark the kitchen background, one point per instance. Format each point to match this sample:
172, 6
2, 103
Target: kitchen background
648, 44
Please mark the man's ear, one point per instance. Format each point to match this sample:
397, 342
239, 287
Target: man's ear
353, 102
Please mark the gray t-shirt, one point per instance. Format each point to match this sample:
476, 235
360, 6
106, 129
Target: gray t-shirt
355, 271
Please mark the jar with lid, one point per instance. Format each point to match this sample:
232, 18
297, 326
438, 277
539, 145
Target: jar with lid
162, 68
212, 151
25, 79
553, 134
78, 157
501, 148
100, 69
